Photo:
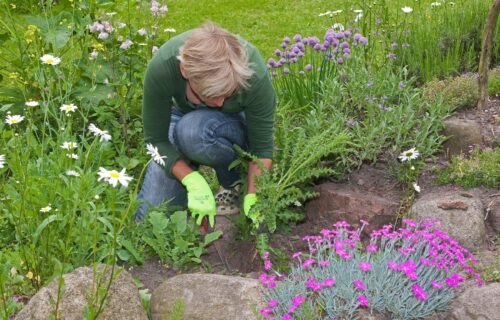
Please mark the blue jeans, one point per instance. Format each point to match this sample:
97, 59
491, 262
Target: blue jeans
205, 137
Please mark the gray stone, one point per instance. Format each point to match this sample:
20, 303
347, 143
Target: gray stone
461, 134
462, 216
123, 300
481, 303
207, 297
344, 202
494, 215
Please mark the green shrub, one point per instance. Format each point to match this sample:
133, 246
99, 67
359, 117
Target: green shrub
459, 92
482, 168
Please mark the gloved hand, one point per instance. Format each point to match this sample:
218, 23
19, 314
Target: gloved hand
201, 200
248, 201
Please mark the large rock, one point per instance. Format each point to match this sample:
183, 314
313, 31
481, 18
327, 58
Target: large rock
123, 300
345, 202
207, 297
461, 215
481, 303
494, 214
461, 134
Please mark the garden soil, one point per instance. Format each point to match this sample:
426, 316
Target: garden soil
240, 257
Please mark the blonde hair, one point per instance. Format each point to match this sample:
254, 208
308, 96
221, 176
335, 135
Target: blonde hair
215, 62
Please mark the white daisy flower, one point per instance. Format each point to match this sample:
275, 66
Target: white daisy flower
436, 4
155, 154
105, 136
13, 119
114, 177
72, 156
338, 27
2, 160
67, 108
416, 187
409, 155
68, 145
357, 11
46, 209
50, 59
72, 173
407, 9
32, 103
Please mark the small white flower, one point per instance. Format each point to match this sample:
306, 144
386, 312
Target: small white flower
297, 204
357, 11
409, 155
110, 14
358, 17
72, 173
67, 108
94, 54
436, 4
171, 30
97, 197
13, 271
46, 209
416, 187
126, 44
338, 27
407, 9
114, 177
32, 103
72, 156
2, 160
68, 145
155, 154
142, 32
121, 25
105, 136
14, 119
50, 59
451, 3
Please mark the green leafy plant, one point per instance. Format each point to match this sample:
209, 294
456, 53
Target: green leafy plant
459, 92
482, 167
175, 239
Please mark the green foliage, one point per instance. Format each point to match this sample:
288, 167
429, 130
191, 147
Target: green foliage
494, 83
459, 92
174, 239
482, 167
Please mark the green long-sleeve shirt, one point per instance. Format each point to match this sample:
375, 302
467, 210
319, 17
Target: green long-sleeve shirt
164, 87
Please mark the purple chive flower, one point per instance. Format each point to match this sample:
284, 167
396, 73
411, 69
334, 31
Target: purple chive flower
369, 84
271, 62
142, 32
308, 67
154, 7
286, 70
125, 45
391, 56
103, 35
347, 51
419, 292
283, 45
340, 61
308, 263
359, 284
394, 45
363, 301
163, 9
301, 73
363, 41
286, 40
402, 85
365, 266
297, 38
347, 33
317, 47
274, 74
277, 52
357, 37
405, 45
96, 27
344, 45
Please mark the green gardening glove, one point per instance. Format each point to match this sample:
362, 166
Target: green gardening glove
201, 200
248, 201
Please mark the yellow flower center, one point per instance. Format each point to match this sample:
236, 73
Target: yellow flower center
115, 175
50, 61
